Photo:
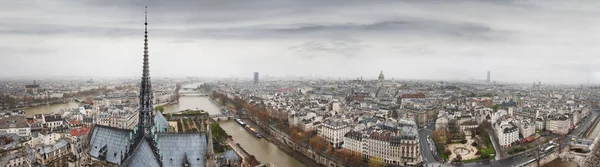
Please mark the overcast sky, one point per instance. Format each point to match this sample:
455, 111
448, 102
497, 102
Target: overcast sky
553, 41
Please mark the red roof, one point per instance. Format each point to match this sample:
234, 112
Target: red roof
80, 131
74, 122
485, 103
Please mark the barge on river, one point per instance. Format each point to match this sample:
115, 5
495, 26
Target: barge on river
248, 128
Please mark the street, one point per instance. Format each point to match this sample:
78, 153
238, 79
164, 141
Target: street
426, 152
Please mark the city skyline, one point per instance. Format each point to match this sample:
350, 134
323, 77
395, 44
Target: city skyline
521, 41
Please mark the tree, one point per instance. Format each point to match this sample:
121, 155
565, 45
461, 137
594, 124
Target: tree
357, 159
169, 116
448, 152
159, 108
495, 107
439, 135
375, 161
328, 148
314, 143
458, 157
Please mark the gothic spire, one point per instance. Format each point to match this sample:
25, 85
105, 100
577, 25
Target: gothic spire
146, 116
146, 72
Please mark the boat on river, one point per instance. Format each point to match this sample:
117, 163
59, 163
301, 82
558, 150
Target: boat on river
239, 121
253, 131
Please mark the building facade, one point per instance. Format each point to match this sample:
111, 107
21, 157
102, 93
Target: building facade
118, 118
19, 161
55, 154
526, 128
395, 144
507, 133
15, 125
558, 124
334, 131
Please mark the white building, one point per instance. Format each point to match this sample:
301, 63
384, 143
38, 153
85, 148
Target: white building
19, 161
334, 131
336, 108
442, 121
15, 125
558, 124
526, 128
53, 121
353, 141
507, 133
540, 123
497, 115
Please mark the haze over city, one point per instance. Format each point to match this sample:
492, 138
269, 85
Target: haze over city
518, 41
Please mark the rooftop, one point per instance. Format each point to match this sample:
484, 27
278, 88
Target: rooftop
13, 122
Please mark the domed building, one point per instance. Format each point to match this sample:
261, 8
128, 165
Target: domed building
381, 77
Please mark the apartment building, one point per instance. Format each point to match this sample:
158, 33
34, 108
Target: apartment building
334, 131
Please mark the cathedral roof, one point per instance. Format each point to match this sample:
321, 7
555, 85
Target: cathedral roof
176, 147
114, 139
142, 156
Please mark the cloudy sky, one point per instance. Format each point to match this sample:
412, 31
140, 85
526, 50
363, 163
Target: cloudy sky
553, 41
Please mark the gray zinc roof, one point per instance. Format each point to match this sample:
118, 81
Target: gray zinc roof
161, 121
142, 156
116, 140
177, 146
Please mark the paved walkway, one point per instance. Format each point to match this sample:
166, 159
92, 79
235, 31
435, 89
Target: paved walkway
237, 149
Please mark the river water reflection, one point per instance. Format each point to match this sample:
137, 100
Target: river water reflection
55, 108
193, 103
263, 150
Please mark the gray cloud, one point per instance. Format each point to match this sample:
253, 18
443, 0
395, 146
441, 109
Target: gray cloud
344, 48
518, 39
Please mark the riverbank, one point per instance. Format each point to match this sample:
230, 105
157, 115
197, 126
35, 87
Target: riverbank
591, 130
283, 147
167, 104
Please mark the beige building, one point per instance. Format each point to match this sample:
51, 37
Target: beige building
55, 154
395, 144
123, 119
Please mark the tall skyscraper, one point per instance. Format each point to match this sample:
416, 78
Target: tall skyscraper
255, 77
488, 76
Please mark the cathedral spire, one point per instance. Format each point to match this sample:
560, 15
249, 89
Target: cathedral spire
146, 72
146, 115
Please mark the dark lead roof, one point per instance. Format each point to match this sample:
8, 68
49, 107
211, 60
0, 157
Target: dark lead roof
176, 147
116, 140
142, 156
161, 122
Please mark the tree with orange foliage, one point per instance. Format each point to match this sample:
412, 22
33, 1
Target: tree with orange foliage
356, 159
314, 144
328, 147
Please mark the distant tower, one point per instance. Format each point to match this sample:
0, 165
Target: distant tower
255, 77
488, 76
381, 77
